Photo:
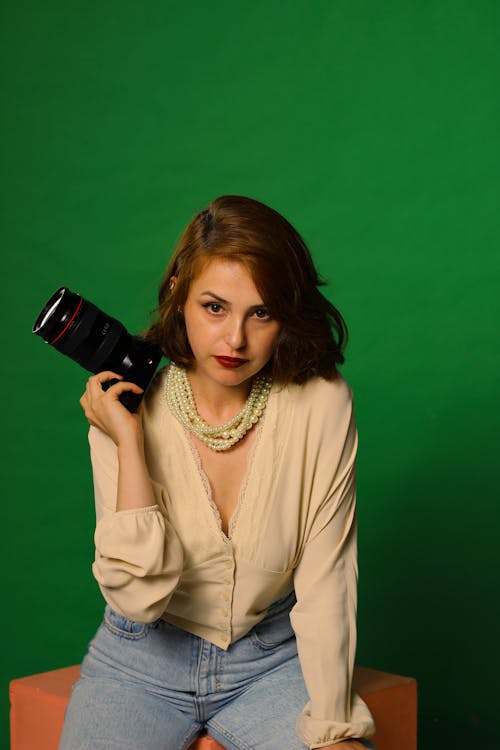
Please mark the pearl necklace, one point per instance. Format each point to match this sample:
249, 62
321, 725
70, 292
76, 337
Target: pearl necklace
220, 438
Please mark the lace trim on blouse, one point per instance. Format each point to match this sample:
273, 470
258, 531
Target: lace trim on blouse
244, 484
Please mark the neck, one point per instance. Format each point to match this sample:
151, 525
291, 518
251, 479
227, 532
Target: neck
217, 403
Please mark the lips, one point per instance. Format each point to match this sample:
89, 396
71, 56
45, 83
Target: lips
231, 362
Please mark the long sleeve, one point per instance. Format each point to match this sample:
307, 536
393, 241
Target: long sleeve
139, 558
324, 618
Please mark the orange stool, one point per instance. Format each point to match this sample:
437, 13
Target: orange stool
38, 704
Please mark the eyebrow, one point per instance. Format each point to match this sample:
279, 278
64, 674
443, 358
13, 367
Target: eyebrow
225, 301
216, 296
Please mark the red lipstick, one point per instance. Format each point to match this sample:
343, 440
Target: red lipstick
230, 362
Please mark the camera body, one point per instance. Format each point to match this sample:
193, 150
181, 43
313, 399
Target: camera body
80, 330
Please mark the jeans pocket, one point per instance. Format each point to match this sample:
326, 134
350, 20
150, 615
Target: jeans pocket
272, 631
122, 626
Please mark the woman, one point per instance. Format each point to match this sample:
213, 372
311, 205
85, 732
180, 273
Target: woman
226, 529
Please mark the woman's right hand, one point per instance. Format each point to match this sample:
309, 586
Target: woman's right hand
104, 410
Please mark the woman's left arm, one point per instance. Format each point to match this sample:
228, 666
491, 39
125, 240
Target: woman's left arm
324, 618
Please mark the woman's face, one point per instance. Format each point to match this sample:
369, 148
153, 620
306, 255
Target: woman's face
229, 328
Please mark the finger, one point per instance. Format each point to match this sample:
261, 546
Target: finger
101, 377
124, 386
96, 382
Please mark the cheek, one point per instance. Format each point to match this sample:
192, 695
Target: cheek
200, 330
192, 331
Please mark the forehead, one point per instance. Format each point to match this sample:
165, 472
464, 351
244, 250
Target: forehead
217, 272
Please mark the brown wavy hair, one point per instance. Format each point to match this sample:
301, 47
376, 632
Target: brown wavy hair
234, 228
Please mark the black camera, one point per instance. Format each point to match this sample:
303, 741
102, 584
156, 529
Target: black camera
79, 329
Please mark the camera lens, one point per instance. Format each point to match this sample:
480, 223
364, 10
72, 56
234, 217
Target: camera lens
57, 315
80, 330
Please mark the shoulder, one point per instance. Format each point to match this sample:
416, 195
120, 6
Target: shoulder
157, 419
156, 391
320, 398
321, 412
156, 413
323, 391
316, 423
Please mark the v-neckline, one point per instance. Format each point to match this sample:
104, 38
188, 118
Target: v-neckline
232, 521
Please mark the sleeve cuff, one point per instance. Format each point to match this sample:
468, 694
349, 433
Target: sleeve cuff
317, 733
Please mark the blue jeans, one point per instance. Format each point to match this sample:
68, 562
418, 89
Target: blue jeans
157, 687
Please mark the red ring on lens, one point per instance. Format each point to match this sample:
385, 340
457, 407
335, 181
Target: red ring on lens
67, 324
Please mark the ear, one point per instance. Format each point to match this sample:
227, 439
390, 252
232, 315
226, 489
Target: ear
172, 283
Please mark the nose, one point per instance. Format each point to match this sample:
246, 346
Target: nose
235, 334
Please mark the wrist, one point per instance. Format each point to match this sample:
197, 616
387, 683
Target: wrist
131, 444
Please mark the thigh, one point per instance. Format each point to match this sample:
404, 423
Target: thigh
134, 690
263, 717
107, 715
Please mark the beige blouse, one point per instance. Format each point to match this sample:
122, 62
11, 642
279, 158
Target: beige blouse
294, 527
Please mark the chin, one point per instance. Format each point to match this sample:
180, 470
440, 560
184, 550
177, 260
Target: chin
236, 376
230, 377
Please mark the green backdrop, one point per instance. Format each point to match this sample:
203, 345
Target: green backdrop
373, 126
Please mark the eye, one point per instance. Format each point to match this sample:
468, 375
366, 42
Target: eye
213, 307
261, 313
